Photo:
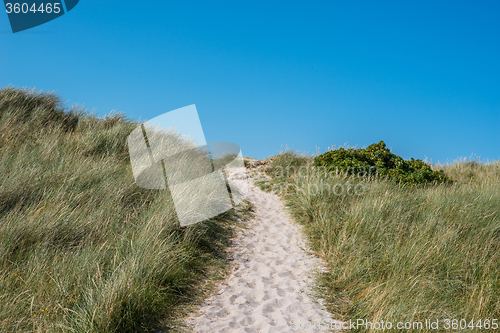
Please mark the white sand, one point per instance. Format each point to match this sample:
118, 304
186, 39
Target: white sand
269, 286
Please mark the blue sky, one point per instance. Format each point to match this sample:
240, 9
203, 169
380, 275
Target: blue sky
422, 76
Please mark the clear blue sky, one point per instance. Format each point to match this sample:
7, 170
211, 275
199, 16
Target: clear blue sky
423, 76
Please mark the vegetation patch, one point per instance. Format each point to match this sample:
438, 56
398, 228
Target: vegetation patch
378, 160
82, 247
401, 253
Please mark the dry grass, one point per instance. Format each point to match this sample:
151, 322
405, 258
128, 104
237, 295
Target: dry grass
84, 249
403, 254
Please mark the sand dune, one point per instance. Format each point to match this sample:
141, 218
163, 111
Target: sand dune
269, 286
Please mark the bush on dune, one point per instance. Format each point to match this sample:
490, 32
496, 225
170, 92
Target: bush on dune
378, 157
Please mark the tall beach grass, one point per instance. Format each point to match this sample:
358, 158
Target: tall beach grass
82, 247
401, 253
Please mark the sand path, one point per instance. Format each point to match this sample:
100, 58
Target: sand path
269, 286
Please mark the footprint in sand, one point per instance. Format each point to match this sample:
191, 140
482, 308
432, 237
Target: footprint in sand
269, 286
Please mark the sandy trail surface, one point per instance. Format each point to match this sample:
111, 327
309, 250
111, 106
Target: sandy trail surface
269, 287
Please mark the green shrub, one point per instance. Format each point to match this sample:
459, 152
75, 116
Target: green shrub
377, 159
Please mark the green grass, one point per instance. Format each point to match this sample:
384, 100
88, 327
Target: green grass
82, 248
399, 253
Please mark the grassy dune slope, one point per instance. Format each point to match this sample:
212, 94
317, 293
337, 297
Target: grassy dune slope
82, 248
397, 253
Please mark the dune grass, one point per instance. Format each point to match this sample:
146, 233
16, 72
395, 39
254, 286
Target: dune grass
401, 253
82, 247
